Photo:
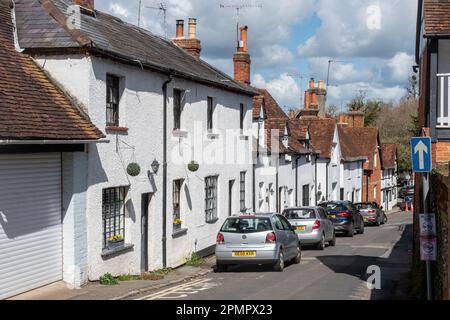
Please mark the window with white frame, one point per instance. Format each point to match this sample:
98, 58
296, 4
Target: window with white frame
211, 199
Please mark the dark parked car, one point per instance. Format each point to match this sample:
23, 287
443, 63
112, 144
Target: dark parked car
372, 213
345, 217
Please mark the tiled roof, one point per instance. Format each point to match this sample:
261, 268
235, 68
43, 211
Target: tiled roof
31, 106
363, 142
276, 119
389, 155
271, 108
294, 143
322, 133
42, 25
436, 17
349, 148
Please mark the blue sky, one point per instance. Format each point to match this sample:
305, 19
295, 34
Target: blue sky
373, 40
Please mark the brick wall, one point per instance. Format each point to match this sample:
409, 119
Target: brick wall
374, 181
441, 152
440, 205
242, 67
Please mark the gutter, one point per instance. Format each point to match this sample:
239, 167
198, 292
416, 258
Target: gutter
50, 142
164, 167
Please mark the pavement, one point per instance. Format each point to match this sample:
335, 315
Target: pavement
336, 273
125, 289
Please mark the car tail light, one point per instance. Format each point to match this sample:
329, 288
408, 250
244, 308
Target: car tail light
316, 225
371, 211
344, 214
220, 238
271, 238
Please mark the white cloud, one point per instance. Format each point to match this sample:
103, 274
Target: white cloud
284, 89
398, 68
118, 9
353, 29
340, 71
276, 55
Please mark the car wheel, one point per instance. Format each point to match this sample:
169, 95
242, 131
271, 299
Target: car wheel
221, 267
385, 219
351, 233
298, 257
279, 265
321, 244
378, 222
333, 240
361, 229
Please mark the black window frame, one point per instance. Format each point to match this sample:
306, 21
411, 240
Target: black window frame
241, 117
177, 108
113, 212
242, 190
305, 195
211, 199
210, 114
176, 200
112, 100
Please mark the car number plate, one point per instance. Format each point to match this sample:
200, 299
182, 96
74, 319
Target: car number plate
332, 216
244, 253
366, 220
301, 228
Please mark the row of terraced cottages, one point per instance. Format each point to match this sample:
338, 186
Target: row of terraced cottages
124, 152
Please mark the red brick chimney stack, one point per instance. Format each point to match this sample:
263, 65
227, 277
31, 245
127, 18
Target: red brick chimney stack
86, 4
241, 59
192, 44
356, 119
180, 29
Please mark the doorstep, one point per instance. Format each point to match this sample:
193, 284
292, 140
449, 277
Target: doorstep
123, 290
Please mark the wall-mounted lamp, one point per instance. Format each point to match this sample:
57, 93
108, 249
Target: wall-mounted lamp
155, 166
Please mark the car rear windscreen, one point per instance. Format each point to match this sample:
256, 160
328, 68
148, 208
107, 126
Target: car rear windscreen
246, 225
300, 214
364, 206
331, 207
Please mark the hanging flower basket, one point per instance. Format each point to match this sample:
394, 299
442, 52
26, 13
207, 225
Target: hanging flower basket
133, 169
193, 166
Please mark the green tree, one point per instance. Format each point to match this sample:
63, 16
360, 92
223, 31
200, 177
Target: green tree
371, 108
413, 87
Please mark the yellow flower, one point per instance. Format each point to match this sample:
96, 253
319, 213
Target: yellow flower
177, 221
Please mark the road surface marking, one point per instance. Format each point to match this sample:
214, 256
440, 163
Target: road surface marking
182, 290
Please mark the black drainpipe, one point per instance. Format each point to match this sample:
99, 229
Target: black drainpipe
326, 196
164, 167
296, 181
315, 179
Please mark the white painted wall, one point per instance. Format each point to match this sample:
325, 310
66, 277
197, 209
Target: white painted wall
352, 180
141, 109
306, 176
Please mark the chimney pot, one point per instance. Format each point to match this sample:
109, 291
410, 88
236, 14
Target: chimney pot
311, 83
242, 45
320, 85
192, 28
180, 29
86, 4
314, 98
307, 99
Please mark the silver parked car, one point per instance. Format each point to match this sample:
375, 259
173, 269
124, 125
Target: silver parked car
257, 239
312, 226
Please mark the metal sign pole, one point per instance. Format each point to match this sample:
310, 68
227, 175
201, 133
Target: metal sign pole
426, 190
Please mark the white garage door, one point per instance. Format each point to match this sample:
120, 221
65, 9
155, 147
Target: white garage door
30, 222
